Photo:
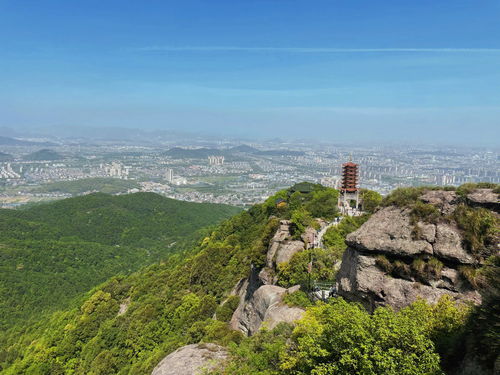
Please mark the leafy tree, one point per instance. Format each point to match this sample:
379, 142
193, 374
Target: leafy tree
371, 200
342, 338
302, 219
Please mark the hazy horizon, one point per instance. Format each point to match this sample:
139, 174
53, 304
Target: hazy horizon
334, 71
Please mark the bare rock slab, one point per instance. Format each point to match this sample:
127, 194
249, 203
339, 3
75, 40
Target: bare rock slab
389, 230
265, 306
192, 360
361, 280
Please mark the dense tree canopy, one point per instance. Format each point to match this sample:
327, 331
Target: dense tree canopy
53, 252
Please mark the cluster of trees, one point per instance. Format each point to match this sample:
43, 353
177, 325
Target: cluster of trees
342, 338
101, 184
54, 252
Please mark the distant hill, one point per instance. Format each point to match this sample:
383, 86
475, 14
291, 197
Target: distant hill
192, 153
52, 252
4, 156
8, 141
244, 149
99, 184
44, 154
203, 153
282, 153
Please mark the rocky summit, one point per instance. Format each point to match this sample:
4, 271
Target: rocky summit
397, 256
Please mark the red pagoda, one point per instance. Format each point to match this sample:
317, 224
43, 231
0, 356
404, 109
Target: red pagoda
349, 177
349, 192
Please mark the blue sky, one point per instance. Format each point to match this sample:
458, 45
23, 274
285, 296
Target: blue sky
334, 70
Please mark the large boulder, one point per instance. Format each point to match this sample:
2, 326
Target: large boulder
193, 359
389, 230
361, 280
486, 198
287, 250
390, 258
448, 245
265, 305
282, 248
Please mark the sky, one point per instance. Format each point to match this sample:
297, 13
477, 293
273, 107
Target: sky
334, 70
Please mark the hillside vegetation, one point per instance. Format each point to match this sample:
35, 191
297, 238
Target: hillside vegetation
129, 323
53, 252
45, 154
171, 303
100, 184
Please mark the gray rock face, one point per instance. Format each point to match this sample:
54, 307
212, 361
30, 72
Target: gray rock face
485, 198
288, 250
264, 306
282, 248
448, 245
261, 301
192, 360
444, 200
308, 237
267, 276
388, 230
361, 280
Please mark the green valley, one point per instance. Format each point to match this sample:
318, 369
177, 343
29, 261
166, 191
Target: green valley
53, 252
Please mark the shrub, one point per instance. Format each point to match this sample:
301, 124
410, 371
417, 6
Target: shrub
418, 266
226, 310
472, 275
342, 338
295, 271
434, 268
301, 218
383, 263
401, 269
403, 197
480, 228
298, 298
425, 212
469, 187
370, 200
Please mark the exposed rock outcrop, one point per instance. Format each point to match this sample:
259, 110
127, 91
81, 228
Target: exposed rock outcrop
442, 199
485, 198
261, 300
389, 230
282, 248
361, 280
192, 360
448, 245
264, 306
391, 260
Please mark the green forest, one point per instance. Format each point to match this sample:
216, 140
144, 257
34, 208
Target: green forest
105, 185
127, 324
53, 252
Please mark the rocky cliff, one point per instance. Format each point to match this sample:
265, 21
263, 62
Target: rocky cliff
420, 250
261, 300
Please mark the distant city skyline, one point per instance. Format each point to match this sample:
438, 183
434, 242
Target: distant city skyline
340, 71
